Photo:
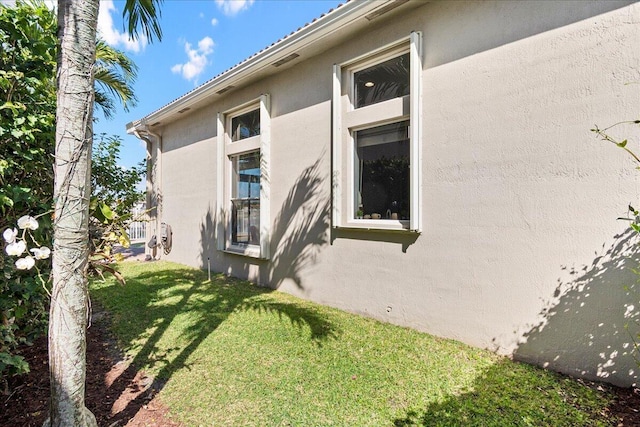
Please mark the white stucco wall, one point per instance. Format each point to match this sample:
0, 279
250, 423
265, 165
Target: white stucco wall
521, 251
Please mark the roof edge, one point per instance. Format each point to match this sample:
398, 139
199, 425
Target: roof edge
340, 17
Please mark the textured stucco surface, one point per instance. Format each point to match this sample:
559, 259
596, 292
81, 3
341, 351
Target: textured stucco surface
521, 251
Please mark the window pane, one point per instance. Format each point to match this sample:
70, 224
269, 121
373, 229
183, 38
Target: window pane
245, 216
245, 126
384, 81
246, 175
245, 222
382, 172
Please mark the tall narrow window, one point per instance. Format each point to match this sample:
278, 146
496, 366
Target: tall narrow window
243, 185
245, 222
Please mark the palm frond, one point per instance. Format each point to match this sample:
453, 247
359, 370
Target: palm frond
114, 74
145, 14
113, 83
110, 57
104, 103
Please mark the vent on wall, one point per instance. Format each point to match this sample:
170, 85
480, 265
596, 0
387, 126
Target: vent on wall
184, 109
379, 12
226, 89
286, 59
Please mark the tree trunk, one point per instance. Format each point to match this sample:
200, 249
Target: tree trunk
77, 21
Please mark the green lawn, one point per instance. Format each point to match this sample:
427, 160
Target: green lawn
235, 354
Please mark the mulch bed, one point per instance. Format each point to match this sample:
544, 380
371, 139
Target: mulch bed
626, 408
118, 395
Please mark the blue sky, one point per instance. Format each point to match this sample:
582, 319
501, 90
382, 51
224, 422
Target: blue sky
201, 39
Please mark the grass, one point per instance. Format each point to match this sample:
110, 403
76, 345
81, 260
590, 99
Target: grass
232, 353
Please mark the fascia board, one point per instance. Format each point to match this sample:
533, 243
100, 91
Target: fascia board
339, 19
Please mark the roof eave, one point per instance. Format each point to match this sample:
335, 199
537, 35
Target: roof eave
340, 18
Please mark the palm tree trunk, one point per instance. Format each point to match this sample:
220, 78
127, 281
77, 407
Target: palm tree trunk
77, 21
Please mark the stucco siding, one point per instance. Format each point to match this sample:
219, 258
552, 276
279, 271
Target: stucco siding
520, 250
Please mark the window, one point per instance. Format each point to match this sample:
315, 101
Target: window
245, 125
382, 172
377, 139
242, 187
245, 201
381, 82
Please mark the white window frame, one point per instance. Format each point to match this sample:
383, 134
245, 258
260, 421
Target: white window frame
227, 149
347, 120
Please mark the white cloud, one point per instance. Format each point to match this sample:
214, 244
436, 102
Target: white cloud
233, 7
197, 62
113, 37
214, 22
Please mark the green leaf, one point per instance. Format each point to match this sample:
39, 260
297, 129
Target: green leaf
622, 144
5, 201
20, 311
4, 165
19, 364
123, 238
106, 211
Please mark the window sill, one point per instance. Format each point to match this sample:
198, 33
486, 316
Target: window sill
250, 251
383, 225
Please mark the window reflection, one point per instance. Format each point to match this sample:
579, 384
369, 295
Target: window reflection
383, 81
382, 172
245, 125
245, 216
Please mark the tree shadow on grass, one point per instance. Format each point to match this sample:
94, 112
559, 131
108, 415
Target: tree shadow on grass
151, 301
145, 309
513, 394
586, 329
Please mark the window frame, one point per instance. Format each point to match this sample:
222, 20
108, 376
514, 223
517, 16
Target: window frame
227, 151
347, 120
356, 180
235, 197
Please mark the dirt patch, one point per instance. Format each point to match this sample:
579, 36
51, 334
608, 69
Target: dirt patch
116, 393
626, 408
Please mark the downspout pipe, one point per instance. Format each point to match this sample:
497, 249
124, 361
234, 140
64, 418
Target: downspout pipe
144, 134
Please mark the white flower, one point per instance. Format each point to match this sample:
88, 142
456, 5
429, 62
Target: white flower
27, 222
10, 235
16, 248
25, 263
41, 253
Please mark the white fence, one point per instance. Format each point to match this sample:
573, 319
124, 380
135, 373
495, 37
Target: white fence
138, 227
137, 231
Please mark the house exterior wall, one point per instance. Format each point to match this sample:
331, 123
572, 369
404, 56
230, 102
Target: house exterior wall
520, 250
